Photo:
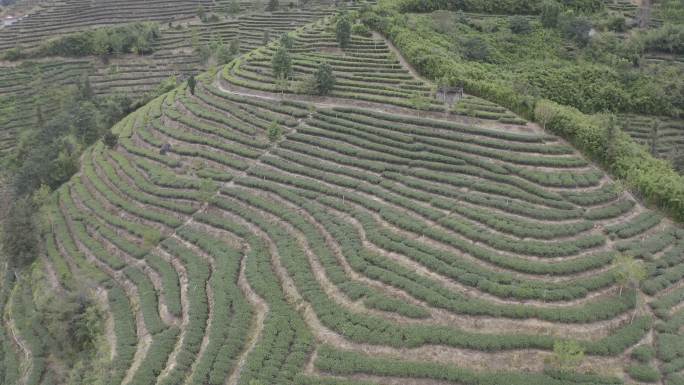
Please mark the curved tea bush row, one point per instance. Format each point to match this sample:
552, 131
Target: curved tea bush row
232, 314
347, 363
408, 223
497, 283
198, 311
378, 334
285, 341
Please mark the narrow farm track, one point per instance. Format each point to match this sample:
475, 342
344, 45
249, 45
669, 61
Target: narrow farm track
364, 242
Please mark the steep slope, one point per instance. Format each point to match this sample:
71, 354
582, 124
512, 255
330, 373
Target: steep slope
361, 246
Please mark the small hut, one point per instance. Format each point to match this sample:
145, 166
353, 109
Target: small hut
449, 95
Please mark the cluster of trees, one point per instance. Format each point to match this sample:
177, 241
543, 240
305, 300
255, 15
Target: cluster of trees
320, 83
138, 38
216, 52
47, 156
513, 7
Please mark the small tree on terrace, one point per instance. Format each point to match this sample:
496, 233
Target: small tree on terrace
222, 54
201, 13
234, 48
654, 137
567, 355
281, 63
544, 113
628, 271
274, 132
286, 41
234, 7
420, 102
110, 139
343, 31
191, 84
325, 78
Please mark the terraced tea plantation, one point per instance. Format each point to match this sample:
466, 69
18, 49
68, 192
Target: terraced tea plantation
21, 84
367, 70
664, 137
238, 232
354, 247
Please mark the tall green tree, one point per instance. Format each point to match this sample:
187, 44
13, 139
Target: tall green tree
325, 78
343, 31
192, 83
286, 41
281, 63
274, 132
20, 234
85, 88
629, 272
234, 48
653, 139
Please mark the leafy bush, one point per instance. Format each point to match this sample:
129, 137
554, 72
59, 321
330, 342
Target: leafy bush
519, 24
643, 373
130, 38
643, 353
476, 49
325, 78
576, 28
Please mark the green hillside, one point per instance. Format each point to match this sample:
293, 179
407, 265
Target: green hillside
310, 213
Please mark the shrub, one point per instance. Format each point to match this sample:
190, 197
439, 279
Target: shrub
519, 24
14, 54
476, 49
361, 29
643, 353
286, 41
643, 373
110, 139
567, 355
343, 32
576, 28
325, 78
274, 132
281, 63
